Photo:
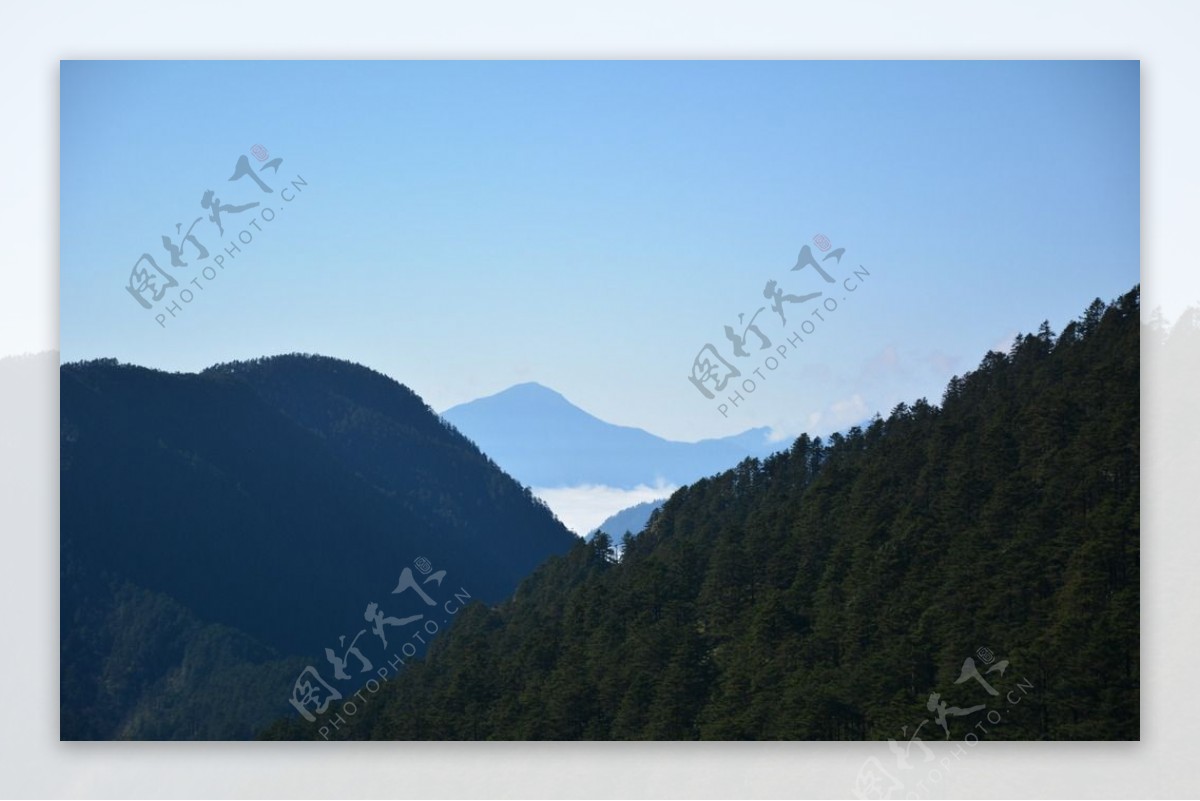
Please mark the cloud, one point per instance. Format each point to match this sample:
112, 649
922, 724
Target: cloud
582, 508
944, 364
889, 364
839, 415
885, 362
1005, 344
781, 434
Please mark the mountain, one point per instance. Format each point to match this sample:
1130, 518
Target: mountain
543, 440
631, 521
220, 530
968, 569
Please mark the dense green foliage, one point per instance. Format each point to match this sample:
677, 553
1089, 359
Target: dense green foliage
825, 592
138, 665
216, 527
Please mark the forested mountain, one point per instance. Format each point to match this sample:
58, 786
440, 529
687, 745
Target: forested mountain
631, 521
837, 590
220, 529
543, 440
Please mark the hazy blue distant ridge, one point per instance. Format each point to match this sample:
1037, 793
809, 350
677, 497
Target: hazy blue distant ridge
543, 440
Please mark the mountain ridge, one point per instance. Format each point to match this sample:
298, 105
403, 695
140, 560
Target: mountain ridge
256, 507
544, 440
844, 589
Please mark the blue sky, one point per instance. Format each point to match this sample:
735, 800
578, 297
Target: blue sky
465, 226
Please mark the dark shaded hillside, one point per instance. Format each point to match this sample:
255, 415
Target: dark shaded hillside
269, 501
827, 591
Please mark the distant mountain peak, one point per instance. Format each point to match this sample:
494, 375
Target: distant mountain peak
529, 385
544, 440
530, 390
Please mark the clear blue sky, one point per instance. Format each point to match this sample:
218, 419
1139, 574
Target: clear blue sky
591, 225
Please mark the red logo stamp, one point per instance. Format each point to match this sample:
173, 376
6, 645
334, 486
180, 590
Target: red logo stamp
259, 152
822, 241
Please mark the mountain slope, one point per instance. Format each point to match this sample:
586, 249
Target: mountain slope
631, 521
543, 440
271, 500
845, 589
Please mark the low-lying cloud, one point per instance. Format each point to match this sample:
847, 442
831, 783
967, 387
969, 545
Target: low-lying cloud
584, 507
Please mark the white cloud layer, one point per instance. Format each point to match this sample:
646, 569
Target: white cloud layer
586, 506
